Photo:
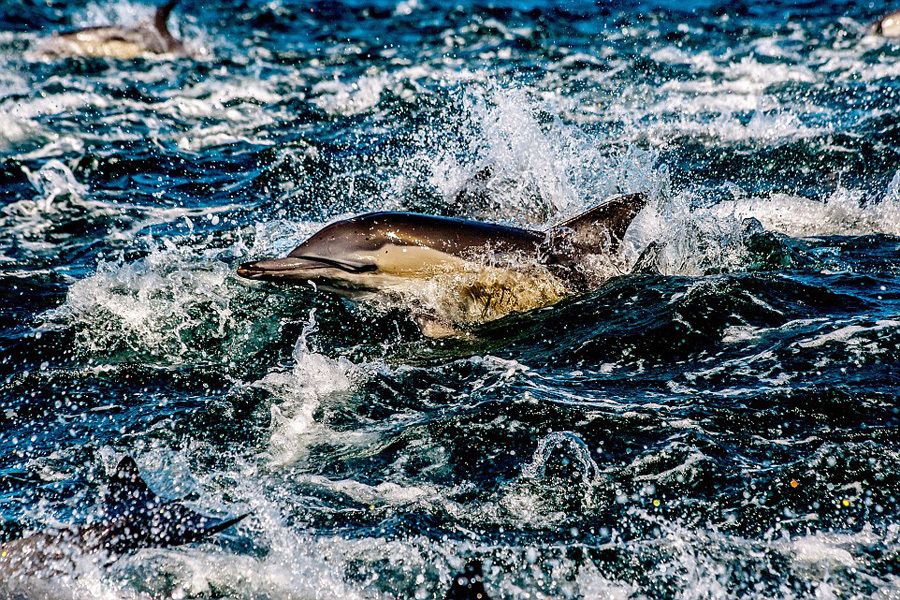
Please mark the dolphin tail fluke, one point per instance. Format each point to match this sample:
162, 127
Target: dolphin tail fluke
602, 227
214, 526
166, 525
175, 524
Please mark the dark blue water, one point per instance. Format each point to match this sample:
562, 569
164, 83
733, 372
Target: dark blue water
721, 421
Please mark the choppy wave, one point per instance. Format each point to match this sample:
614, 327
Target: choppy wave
715, 418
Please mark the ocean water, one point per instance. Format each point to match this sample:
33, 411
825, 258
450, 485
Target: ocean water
718, 420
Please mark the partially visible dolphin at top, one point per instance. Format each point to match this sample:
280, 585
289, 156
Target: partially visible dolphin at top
133, 517
498, 269
888, 26
147, 38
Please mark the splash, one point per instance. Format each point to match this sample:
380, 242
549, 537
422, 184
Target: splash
171, 307
314, 379
843, 213
562, 454
561, 479
529, 170
44, 221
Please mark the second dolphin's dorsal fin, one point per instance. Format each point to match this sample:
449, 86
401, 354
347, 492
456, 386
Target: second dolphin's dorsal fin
127, 486
602, 227
135, 517
162, 17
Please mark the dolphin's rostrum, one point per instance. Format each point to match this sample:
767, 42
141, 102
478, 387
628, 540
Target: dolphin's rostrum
387, 251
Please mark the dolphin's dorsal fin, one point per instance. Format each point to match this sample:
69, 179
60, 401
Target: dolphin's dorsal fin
162, 16
127, 486
602, 227
137, 518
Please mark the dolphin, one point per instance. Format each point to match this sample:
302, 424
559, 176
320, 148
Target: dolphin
133, 517
497, 269
118, 42
888, 26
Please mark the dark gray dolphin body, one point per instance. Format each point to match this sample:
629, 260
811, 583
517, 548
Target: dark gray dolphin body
133, 517
888, 26
118, 42
382, 251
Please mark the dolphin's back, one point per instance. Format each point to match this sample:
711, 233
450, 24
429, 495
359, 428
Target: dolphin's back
454, 236
598, 229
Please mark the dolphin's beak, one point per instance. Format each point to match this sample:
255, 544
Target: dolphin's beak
277, 267
298, 267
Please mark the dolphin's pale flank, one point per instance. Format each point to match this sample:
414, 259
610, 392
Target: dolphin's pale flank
149, 38
888, 26
133, 517
453, 271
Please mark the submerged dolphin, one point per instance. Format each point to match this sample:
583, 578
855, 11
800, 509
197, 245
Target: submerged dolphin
497, 269
888, 26
133, 518
118, 42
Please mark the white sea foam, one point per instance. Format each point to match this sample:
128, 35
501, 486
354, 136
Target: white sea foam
297, 567
353, 96
59, 197
168, 306
385, 493
843, 213
220, 135
122, 12
349, 98
407, 7
689, 241
693, 241
822, 551
537, 171
313, 379
855, 338
61, 103
14, 130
